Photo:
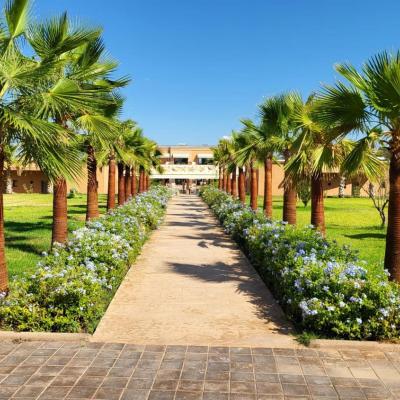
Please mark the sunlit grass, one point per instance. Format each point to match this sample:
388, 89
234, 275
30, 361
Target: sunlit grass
28, 219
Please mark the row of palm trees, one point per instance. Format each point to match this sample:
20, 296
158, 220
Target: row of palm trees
351, 128
59, 109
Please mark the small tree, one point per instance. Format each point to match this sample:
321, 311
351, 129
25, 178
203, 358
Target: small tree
379, 194
304, 192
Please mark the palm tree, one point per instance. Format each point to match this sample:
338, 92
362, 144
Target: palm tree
24, 84
278, 133
316, 153
121, 183
98, 127
242, 185
111, 155
111, 181
247, 154
221, 157
75, 97
371, 99
128, 183
218, 161
152, 155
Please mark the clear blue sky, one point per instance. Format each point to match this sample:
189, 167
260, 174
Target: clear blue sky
198, 66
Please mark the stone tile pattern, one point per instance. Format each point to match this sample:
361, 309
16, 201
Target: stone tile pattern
57, 370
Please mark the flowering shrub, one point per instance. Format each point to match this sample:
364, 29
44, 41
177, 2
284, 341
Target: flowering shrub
74, 284
322, 286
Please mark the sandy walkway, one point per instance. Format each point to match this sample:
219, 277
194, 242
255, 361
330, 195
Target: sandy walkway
191, 285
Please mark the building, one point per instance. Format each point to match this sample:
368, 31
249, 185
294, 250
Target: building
186, 166
31, 179
193, 165
183, 166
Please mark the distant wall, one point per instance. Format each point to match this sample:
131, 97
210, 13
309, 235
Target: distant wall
25, 181
331, 183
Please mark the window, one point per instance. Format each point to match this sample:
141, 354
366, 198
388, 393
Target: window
181, 161
205, 161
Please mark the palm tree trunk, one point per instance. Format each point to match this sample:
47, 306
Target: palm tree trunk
234, 184
147, 182
392, 253
141, 180
60, 212
134, 182
224, 181
242, 186
317, 203
111, 183
220, 179
121, 184
289, 203
253, 188
268, 187
128, 184
92, 210
289, 197
3, 264
228, 183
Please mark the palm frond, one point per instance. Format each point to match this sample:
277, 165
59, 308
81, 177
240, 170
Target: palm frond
17, 14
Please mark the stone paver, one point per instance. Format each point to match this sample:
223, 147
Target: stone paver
191, 285
68, 370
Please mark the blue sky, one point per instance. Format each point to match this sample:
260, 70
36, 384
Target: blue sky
198, 66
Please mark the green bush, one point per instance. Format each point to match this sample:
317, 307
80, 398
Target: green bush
322, 287
73, 285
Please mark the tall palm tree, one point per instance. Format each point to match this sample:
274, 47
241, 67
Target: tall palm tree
279, 131
221, 157
218, 161
371, 99
98, 127
23, 85
316, 153
121, 183
111, 181
247, 154
73, 95
110, 156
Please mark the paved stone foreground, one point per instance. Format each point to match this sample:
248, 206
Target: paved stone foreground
192, 286
57, 370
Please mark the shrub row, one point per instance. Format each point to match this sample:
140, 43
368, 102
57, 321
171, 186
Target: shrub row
322, 287
73, 285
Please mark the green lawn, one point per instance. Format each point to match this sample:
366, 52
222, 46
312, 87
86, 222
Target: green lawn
352, 221
28, 226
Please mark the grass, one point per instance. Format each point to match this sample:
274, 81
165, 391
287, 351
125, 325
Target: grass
351, 221
28, 219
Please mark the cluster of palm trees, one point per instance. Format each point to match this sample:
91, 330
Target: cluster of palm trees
351, 128
59, 109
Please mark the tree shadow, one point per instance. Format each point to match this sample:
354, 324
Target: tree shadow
189, 223
247, 281
15, 226
211, 240
369, 235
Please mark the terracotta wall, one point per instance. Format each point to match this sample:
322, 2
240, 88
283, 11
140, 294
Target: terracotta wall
102, 179
331, 184
25, 179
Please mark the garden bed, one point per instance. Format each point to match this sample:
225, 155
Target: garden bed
322, 287
73, 285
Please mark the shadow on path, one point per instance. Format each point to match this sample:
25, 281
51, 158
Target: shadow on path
247, 282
